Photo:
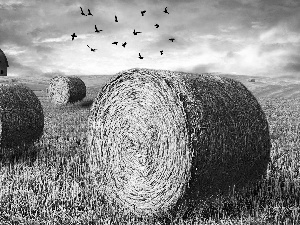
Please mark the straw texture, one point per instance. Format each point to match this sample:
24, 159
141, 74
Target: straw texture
21, 116
160, 139
66, 89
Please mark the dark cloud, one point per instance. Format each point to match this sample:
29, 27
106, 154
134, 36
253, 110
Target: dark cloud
202, 68
10, 36
14, 6
176, 1
292, 67
278, 11
36, 32
292, 22
288, 4
13, 21
293, 64
43, 49
230, 54
15, 65
233, 5
44, 32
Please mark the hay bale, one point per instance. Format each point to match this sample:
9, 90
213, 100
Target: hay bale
66, 89
252, 80
21, 116
158, 139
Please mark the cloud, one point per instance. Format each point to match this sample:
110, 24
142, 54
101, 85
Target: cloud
236, 4
293, 64
279, 34
244, 36
18, 68
202, 68
292, 67
43, 49
230, 54
258, 25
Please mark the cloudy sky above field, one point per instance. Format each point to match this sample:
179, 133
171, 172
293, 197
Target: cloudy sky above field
251, 37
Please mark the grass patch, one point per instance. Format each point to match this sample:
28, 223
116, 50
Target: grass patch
56, 187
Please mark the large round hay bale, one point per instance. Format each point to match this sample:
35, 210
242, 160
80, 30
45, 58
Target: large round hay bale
159, 138
64, 89
21, 116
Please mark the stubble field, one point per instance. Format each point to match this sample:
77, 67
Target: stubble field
51, 183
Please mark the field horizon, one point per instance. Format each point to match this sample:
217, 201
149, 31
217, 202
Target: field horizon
264, 86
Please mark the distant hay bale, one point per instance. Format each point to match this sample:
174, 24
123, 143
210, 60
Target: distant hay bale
66, 89
159, 139
251, 80
21, 116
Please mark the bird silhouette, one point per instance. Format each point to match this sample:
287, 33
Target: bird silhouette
90, 12
161, 52
96, 30
165, 11
73, 36
172, 39
124, 44
156, 25
143, 12
116, 19
82, 13
115, 43
140, 56
135, 33
92, 49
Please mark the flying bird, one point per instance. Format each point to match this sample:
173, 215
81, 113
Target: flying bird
165, 11
161, 52
82, 13
140, 56
116, 19
135, 33
115, 43
143, 12
73, 36
92, 49
172, 39
156, 25
89, 12
124, 44
96, 30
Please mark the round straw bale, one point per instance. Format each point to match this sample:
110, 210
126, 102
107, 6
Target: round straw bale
21, 116
158, 139
64, 89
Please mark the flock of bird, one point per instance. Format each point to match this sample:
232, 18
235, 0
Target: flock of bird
116, 20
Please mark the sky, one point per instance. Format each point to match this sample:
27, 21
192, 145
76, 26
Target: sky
245, 37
